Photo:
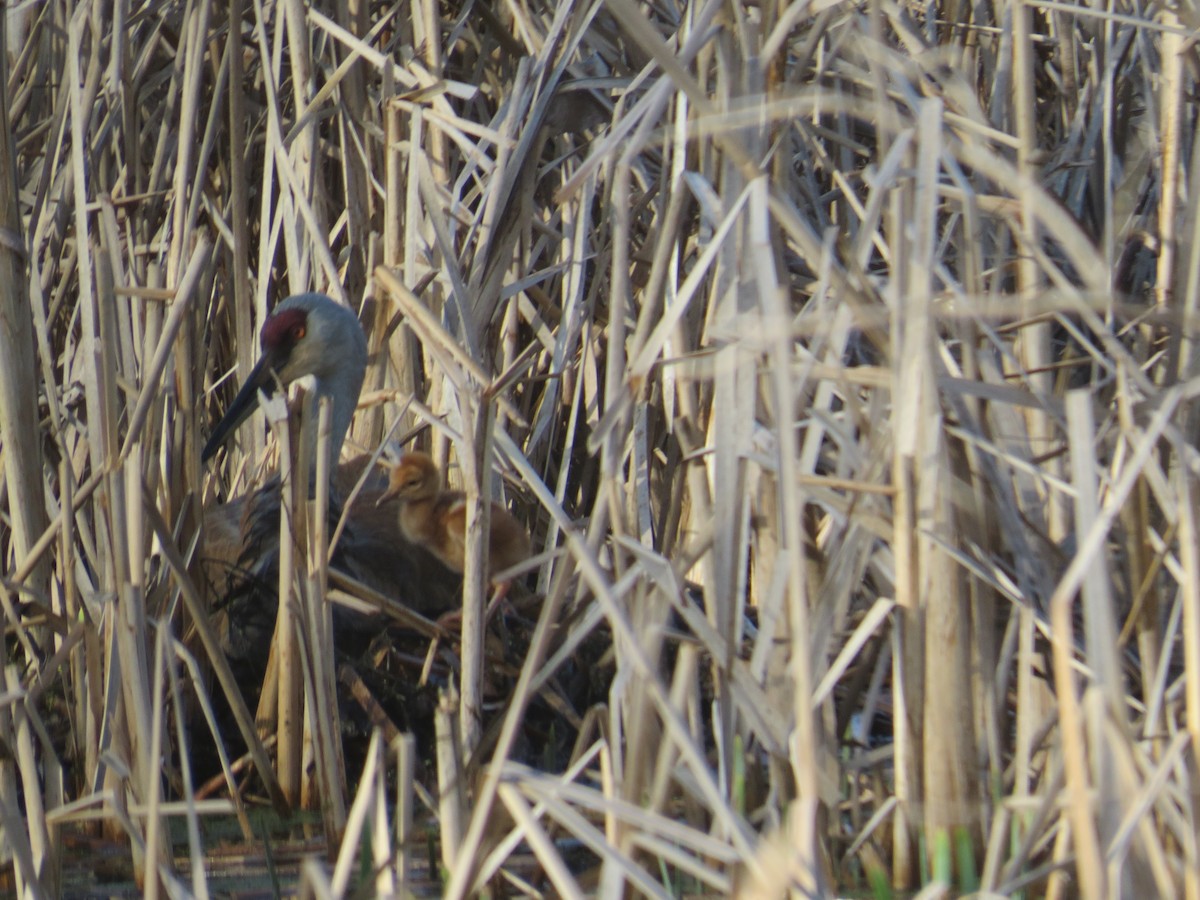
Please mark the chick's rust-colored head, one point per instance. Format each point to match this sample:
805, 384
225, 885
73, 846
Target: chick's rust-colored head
413, 478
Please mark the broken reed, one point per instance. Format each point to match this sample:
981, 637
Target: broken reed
835, 335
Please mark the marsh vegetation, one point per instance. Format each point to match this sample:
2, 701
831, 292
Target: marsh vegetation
839, 358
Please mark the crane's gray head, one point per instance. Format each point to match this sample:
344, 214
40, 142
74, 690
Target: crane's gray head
308, 334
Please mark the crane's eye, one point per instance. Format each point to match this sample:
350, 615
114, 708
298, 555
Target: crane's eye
297, 332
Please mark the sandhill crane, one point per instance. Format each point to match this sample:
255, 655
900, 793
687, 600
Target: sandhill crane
308, 334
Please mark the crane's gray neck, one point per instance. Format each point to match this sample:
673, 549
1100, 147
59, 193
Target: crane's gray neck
335, 354
342, 389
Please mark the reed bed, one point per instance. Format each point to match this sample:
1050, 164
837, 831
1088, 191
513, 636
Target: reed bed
839, 358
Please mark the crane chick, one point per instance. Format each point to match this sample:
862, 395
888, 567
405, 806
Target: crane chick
436, 519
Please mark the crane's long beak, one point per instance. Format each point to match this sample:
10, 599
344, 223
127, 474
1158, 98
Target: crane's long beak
262, 378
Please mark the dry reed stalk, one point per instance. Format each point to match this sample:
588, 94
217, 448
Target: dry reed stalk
451, 774
369, 811
1189, 538
1100, 641
404, 747
155, 822
326, 789
288, 720
23, 464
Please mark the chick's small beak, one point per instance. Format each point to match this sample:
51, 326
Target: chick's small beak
387, 495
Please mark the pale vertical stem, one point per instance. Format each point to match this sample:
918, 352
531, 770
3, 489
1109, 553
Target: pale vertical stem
1034, 344
612, 778
357, 113
381, 839
908, 665
303, 150
87, 291
990, 701
1100, 630
683, 684
1035, 355
904, 739
84, 715
322, 683
450, 769
727, 477
745, 260
1089, 859
640, 729
290, 704
477, 475
18, 364
1137, 518
266, 716
269, 190
417, 235
405, 749
1185, 273
1026, 705
1189, 550
127, 701
510, 330
239, 214
154, 822
195, 41
298, 681
618, 302
395, 184
999, 835
401, 354
429, 44
948, 746
1107, 52
1171, 83
310, 732
546, 575
134, 662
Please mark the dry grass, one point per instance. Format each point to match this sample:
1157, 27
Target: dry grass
839, 357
